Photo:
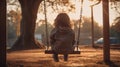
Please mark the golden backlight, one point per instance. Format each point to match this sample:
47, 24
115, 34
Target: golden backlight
97, 12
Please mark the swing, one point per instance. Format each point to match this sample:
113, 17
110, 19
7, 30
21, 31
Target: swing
76, 49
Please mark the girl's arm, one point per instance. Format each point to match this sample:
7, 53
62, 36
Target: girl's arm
52, 37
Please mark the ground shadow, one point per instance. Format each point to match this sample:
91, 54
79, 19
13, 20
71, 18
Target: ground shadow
110, 63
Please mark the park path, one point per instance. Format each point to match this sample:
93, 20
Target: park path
89, 57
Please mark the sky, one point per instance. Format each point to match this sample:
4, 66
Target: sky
75, 15
97, 12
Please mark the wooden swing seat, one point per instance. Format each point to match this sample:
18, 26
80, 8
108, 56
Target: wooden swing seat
51, 52
76, 51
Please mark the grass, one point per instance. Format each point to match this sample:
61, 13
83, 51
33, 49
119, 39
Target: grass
89, 57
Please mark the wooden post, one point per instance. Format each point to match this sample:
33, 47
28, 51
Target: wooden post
3, 33
106, 46
92, 26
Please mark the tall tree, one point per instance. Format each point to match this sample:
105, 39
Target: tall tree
26, 39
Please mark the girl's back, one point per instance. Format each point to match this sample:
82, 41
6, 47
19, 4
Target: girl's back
63, 40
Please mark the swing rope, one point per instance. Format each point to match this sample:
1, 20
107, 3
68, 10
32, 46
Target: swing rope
46, 27
79, 25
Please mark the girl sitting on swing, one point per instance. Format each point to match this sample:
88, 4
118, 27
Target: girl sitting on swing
62, 37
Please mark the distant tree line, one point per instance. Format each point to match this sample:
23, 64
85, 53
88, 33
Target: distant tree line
115, 28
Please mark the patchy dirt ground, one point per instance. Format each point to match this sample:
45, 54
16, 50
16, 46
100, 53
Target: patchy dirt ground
89, 57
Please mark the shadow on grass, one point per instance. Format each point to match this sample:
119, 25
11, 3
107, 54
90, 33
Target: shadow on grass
109, 63
39, 63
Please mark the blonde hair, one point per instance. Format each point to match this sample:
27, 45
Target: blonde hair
62, 20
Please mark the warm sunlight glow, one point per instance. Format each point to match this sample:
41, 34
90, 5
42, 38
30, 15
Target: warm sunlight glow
98, 16
75, 15
97, 12
87, 11
86, 8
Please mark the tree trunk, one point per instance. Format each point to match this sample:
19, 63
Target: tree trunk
29, 15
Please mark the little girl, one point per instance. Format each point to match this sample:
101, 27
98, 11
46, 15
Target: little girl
62, 37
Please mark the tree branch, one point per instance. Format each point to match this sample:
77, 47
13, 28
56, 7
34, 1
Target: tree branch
96, 3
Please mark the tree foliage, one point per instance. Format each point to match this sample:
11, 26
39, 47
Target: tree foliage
86, 27
41, 29
58, 6
115, 4
115, 28
11, 31
13, 17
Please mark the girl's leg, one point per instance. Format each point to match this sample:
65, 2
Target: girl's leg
55, 56
65, 57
